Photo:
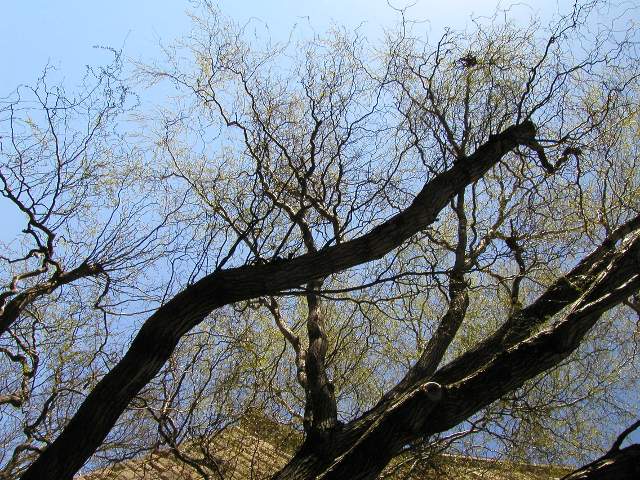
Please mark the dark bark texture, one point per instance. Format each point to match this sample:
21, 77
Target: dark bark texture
622, 464
363, 448
427, 400
160, 334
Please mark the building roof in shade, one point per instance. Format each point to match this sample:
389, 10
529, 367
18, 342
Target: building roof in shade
243, 455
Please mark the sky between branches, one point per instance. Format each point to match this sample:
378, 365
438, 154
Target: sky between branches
64, 35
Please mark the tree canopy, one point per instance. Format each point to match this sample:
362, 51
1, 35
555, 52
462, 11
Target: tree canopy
393, 248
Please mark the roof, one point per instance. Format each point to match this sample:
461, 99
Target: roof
450, 467
242, 455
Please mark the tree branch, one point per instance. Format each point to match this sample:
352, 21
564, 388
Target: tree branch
160, 334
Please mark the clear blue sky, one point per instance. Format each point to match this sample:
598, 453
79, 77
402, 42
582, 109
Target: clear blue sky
63, 33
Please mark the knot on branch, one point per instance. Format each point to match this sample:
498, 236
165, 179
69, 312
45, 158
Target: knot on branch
432, 390
95, 268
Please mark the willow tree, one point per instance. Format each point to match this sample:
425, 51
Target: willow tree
457, 218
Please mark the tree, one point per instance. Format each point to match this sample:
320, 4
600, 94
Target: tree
474, 200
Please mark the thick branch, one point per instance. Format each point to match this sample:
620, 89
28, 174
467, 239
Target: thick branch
522, 323
10, 311
321, 414
402, 420
450, 323
160, 334
623, 464
510, 369
622, 437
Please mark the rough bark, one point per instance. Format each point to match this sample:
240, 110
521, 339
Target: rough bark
321, 413
522, 323
622, 464
361, 449
362, 453
160, 334
364, 447
511, 368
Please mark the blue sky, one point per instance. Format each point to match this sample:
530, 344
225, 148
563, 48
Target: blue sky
64, 34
